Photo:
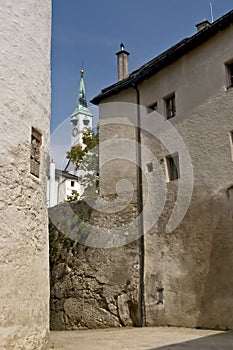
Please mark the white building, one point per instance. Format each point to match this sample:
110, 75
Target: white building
64, 183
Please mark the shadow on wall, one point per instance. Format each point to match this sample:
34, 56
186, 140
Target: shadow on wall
222, 341
216, 309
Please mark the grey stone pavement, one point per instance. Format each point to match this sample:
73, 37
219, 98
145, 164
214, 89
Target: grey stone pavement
149, 338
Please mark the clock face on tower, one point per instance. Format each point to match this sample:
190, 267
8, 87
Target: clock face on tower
75, 131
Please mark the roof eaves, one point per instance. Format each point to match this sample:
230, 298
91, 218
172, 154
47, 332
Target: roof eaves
65, 174
166, 58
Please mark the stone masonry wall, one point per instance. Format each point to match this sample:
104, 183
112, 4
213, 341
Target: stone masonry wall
91, 287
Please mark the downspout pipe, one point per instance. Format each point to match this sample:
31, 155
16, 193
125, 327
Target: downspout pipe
140, 210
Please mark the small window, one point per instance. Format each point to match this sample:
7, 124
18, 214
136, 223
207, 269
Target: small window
173, 168
170, 106
152, 108
72, 183
36, 141
231, 135
86, 121
229, 69
231, 144
149, 167
160, 295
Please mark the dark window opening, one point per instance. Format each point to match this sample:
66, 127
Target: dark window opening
170, 106
173, 168
36, 141
149, 167
86, 121
231, 135
152, 108
231, 144
72, 183
229, 68
160, 295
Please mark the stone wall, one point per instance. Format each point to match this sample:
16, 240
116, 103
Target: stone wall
25, 106
91, 287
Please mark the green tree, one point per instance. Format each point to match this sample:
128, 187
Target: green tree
86, 160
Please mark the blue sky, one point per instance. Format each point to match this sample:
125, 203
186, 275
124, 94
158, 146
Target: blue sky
92, 30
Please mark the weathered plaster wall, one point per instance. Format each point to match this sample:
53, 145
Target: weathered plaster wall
91, 287
193, 263
25, 103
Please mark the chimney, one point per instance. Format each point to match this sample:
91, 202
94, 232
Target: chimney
122, 63
202, 25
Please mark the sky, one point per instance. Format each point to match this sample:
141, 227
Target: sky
90, 31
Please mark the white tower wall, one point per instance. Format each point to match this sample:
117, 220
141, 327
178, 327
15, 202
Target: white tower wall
25, 35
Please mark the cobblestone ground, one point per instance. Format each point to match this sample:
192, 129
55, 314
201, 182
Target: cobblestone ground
159, 338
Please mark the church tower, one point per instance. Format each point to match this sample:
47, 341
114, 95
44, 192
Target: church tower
81, 118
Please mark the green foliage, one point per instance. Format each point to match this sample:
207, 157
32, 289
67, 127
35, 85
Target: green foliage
87, 159
75, 196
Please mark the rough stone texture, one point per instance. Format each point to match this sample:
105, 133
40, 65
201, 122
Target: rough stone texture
92, 287
25, 103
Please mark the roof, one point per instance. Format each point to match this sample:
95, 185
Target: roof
65, 174
167, 57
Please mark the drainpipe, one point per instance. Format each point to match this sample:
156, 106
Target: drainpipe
140, 210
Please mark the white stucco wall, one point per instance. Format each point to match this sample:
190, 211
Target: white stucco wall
25, 34
81, 127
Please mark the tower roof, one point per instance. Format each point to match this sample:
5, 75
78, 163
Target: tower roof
81, 104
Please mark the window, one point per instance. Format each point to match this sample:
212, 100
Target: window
231, 135
170, 106
172, 166
152, 108
229, 69
149, 167
86, 121
160, 295
72, 183
231, 143
36, 141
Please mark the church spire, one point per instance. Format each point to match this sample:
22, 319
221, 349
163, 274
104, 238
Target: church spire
81, 118
81, 104
82, 101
